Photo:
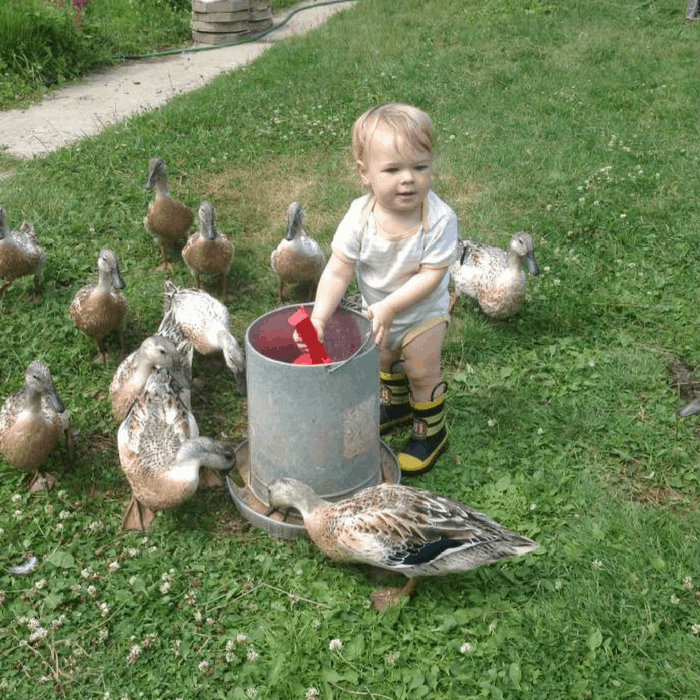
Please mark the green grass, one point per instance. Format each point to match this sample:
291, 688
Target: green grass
576, 121
41, 48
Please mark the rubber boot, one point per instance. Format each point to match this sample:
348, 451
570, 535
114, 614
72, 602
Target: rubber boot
394, 406
428, 435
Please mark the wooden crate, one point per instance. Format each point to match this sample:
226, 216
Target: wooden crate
219, 22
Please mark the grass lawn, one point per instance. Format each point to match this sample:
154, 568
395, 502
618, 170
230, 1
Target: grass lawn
576, 121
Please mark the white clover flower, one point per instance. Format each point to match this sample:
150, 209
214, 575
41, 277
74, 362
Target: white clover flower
48, 509
85, 573
581, 201
40, 584
335, 645
16, 498
165, 587
466, 648
91, 590
17, 515
133, 655
675, 600
251, 693
491, 422
197, 616
203, 666
241, 639
540, 431
132, 551
190, 597
688, 583
230, 645
311, 694
113, 566
623, 216
64, 514
62, 494
558, 585
597, 564
133, 580
695, 629
104, 609
252, 655
316, 623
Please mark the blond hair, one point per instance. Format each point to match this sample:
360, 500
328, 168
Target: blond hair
407, 122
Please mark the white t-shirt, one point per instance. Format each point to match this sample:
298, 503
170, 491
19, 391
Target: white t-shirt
383, 265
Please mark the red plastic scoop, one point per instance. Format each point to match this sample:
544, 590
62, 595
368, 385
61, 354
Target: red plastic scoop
317, 353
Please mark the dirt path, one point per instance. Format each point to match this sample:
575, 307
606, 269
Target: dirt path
84, 109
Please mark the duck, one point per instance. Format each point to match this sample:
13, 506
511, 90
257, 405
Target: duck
20, 254
400, 529
298, 257
167, 220
32, 423
98, 309
131, 375
208, 252
493, 277
161, 452
206, 323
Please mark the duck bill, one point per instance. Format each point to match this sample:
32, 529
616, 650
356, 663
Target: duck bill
689, 409
55, 401
294, 218
532, 266
117, 279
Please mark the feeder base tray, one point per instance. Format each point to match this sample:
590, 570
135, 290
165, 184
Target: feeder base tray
276, 524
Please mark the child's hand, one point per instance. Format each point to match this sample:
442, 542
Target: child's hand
318, 325
381, 315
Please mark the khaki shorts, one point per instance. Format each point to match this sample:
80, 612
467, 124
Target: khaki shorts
400, 335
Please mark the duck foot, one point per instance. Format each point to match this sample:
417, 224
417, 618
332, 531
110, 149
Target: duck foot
391, 597
137, 516
41, 481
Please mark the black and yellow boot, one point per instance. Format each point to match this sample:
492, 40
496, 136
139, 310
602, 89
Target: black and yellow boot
428, 435
394, 406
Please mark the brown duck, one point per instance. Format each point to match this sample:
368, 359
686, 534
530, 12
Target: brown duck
167, 221
98, 309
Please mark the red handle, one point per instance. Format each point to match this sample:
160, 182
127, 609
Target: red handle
301, 321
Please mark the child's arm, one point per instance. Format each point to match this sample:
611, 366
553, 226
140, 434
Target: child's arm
418, 287
331, 287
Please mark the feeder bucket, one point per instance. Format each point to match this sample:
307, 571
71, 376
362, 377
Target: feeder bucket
315, 423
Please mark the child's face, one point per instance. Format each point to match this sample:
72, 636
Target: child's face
398, 175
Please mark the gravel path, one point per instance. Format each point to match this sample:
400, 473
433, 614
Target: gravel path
71, 113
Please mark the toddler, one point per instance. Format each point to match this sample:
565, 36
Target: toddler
399, 240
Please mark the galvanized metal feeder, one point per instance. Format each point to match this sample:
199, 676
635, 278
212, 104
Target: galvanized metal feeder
316, 423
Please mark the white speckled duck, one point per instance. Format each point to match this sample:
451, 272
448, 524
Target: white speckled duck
205, 321
98, 309
32, 423
131, 375
298, 257
208, 252
167, 220
493, 277
20, 254
161, 452
401, 529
